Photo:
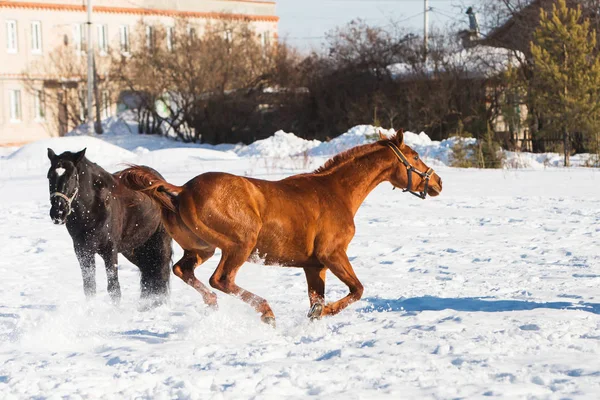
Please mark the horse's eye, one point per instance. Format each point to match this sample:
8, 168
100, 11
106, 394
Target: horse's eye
416, 158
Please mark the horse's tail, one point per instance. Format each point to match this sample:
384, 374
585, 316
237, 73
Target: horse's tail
149, 182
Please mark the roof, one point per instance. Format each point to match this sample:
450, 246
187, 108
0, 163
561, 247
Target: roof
516, 33
475, 62
142, 11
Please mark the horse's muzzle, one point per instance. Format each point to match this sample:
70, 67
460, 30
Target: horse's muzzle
435, 188
59, 217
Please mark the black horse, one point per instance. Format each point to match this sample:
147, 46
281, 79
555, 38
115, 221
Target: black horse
104, 217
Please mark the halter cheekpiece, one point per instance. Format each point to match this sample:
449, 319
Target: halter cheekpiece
409, 170
66, 198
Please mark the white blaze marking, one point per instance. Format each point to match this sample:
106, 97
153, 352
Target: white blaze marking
60, 171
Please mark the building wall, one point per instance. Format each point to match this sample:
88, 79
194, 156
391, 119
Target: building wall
57, 26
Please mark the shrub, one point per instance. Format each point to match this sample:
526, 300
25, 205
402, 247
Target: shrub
488, 153
461, 155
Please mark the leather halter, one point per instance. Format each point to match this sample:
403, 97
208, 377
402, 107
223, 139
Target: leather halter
409, 170
66, 198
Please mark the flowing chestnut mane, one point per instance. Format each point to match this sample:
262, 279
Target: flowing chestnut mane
352, 154
304, 221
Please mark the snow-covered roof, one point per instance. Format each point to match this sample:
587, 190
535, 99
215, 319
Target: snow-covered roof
474, 62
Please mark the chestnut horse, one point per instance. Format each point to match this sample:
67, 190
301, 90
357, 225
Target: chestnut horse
302, 221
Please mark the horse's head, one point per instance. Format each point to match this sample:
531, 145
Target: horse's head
63, 179
411, 174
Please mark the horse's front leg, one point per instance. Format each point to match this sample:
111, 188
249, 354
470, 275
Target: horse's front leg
315, 278
88, 270
340, 266
110, 258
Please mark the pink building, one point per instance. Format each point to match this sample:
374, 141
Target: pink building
30, 31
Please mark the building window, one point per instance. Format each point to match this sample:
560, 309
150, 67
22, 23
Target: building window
149, 37
228, 36
124, 38
12, 43
105, 101
170, 37
83, 105
191, 33
103, 39
36, 37
80, 37
266, 39
39, 105
15, 105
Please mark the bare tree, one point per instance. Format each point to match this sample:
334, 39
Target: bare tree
180, 70
62, 77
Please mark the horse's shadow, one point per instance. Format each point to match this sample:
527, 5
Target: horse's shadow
469, 304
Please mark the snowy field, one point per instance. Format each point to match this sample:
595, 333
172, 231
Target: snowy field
491, 289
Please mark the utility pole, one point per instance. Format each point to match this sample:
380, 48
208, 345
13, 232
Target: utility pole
426, 29
90, 69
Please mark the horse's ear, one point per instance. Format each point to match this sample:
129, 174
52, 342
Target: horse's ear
51, 154
79, 156
400, 137
381, 135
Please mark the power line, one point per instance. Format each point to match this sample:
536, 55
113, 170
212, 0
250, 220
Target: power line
435, 10
411, 17
323, 36
304, 38
383, 1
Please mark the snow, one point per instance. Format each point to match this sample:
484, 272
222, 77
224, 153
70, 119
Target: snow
358, 135
287, 145
122, 131
435, 152
284, 147
489, 290
281, 144
33, 157
542, 160
6, 151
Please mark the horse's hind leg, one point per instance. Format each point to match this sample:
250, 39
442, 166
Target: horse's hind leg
315, 278
340, 266
184, 269
223, 279
153, 259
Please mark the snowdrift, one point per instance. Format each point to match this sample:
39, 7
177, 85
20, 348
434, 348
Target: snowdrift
121, 143
182, 155
281, 144
34, 156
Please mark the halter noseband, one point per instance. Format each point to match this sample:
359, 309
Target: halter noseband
409, 170
66, 198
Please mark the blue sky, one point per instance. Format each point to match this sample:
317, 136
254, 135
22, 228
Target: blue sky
304, 22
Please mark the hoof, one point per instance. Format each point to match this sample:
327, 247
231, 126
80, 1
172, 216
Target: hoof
150, 304
115, 301
316, 311
269, 321
211, 301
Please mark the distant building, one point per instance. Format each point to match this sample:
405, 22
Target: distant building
30, 31
476, 70
516, 34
